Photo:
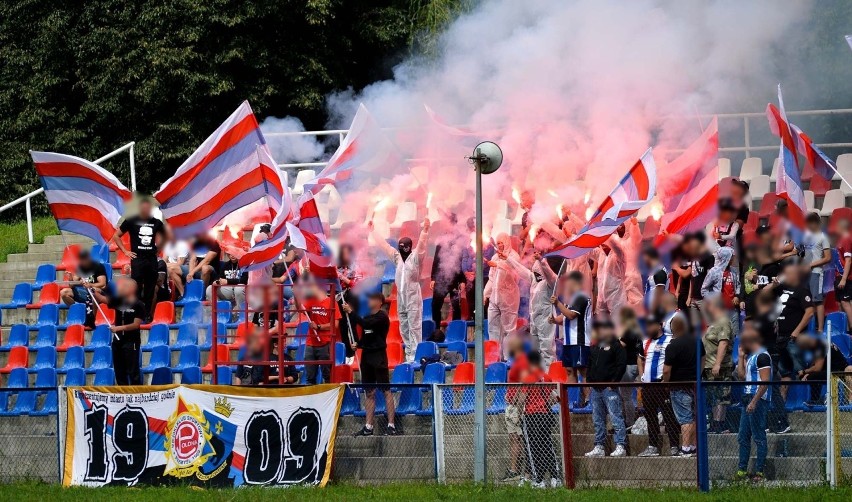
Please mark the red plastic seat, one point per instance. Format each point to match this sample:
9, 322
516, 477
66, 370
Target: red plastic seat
342, 373
164, 313
49, 296
394, 334
767, 204
223, 355
492, 352
18, 358
838, 215
73, 337
395, 354
243, 330
108, 316
753, 221
464, 373
557, 372
69, 258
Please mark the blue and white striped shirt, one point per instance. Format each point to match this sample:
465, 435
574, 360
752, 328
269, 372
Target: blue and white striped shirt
756, 362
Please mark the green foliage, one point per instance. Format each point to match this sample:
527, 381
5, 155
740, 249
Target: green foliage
87, 77
13, 236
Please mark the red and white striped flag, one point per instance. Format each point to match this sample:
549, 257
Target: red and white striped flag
692, 193
789, 183
221, 176
84, 198
636, 189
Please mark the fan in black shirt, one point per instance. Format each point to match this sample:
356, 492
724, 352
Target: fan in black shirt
126, 337
815, 350
374, 360
146, 235
88, 275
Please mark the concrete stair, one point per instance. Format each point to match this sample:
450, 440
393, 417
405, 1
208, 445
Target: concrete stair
21, 267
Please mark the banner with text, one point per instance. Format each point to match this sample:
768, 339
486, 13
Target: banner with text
199, 435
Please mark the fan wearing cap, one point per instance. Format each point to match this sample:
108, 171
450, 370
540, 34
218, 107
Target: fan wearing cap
607, 364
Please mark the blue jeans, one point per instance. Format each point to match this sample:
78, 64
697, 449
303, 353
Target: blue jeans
753, 428
607, 401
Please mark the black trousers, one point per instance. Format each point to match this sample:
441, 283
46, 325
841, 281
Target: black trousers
125, 361
144, 272
439, 295
538, 445
656, 399
345, 323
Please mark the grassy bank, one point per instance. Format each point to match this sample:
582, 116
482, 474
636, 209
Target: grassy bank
409, 492
13, 236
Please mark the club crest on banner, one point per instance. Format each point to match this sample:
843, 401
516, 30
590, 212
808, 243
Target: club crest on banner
187, 441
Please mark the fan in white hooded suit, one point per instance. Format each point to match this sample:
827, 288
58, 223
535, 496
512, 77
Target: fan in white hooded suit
503, 293
542, 280
407, 280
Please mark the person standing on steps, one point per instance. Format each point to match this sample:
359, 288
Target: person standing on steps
147, 234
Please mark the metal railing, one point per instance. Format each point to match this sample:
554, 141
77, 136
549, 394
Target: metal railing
27, 199
747, 148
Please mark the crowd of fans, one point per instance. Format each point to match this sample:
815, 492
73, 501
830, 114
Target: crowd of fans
735, 301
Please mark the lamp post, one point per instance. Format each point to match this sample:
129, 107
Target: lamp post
486, 159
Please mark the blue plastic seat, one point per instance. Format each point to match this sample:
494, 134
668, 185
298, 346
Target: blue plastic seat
101, 337
403, 374
224, 375
221, 332
459, 347
427, 312
50, 406
351, 401
456, 332
433, 374
735, 348
428, 326
76, 377
45, 273
193, 292
18, 379
24, 403
339, 353
45, 358
496, 373
187, 335
46, 337
22, 295
101, 359
104, 376
48, 315
843, 343
100, 253
240, 318
223, 311
424, 349
162, 376
75, 357
161, 357
410, 398
839, 323
46, 377
18, 336
193, 313
189, 356
191, 376
389, 274
158, 336
76, 315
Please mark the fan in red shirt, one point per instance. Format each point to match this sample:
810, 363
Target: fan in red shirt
538, 421
323, 317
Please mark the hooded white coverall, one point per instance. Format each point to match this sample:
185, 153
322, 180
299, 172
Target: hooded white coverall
408, 296
504, 295
541, 290
633, 279
612, 294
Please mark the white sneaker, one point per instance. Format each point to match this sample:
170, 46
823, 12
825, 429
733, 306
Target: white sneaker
555, 483
619, 451
674, 451
349, 361
650, 451
597, 451
539, 484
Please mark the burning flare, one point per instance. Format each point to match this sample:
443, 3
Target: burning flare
656, 211
516, 195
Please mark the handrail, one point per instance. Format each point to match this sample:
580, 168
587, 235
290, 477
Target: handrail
26, 199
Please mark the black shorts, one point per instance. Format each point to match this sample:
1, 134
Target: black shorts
845, 294
374, 367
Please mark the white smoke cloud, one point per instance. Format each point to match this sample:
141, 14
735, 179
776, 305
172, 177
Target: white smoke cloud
292, 148
574, 91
